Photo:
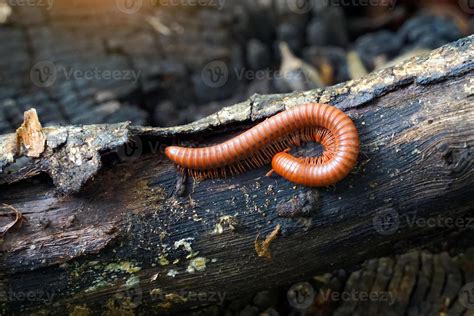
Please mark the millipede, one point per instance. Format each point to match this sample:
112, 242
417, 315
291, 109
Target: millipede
271, 140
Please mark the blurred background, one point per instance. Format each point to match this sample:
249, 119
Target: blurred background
171, 62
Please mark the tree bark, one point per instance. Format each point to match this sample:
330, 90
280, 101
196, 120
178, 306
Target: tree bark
119, 229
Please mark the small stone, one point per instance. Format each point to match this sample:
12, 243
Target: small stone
270, 312
264, 299
429, 31
213, 310
249, 310
372, 45
238, 304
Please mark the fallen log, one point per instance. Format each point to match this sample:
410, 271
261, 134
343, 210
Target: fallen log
109, 226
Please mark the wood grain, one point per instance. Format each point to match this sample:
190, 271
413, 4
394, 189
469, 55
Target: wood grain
128, 231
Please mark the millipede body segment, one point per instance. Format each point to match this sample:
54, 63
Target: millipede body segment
270, 141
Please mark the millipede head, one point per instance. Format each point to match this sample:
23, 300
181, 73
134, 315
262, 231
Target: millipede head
171, 152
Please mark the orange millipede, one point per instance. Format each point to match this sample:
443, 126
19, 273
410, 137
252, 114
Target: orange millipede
271, 139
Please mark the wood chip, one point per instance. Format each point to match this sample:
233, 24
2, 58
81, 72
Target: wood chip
263, 249
30, 135
18, 219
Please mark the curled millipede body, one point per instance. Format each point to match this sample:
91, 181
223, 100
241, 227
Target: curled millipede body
270, 141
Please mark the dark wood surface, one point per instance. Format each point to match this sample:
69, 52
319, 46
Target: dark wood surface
125, 228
